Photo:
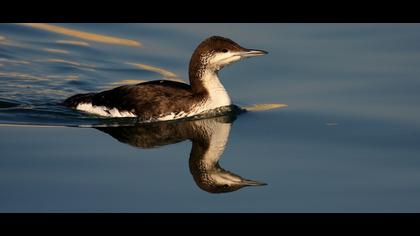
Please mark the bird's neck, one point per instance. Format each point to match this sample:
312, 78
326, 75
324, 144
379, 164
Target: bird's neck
206, 81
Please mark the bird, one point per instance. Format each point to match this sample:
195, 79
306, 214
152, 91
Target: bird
209, 139
162, 100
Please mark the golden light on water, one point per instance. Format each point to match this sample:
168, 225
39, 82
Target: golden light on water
7, 42
54, 50
163, 72
73, 42
21, 75
83, 35
65, 77
63, 61
264, 107
73, 63
10, 61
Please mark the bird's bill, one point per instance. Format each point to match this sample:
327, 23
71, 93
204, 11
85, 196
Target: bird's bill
253, 53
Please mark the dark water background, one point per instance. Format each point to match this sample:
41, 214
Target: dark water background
349, 140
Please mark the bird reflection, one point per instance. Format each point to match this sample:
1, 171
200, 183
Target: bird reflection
209, 138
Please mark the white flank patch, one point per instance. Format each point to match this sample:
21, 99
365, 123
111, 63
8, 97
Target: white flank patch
103, 111
171, 116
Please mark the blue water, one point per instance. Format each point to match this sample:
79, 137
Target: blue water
349, 140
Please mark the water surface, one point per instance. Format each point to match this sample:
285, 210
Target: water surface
349, 140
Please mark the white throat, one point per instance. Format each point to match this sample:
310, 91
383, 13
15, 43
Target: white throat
218, 95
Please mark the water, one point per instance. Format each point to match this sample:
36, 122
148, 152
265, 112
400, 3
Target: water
349, 140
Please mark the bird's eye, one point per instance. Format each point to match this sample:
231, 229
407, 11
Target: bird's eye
224, 50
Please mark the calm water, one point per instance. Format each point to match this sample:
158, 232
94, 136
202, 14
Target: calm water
349, 140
